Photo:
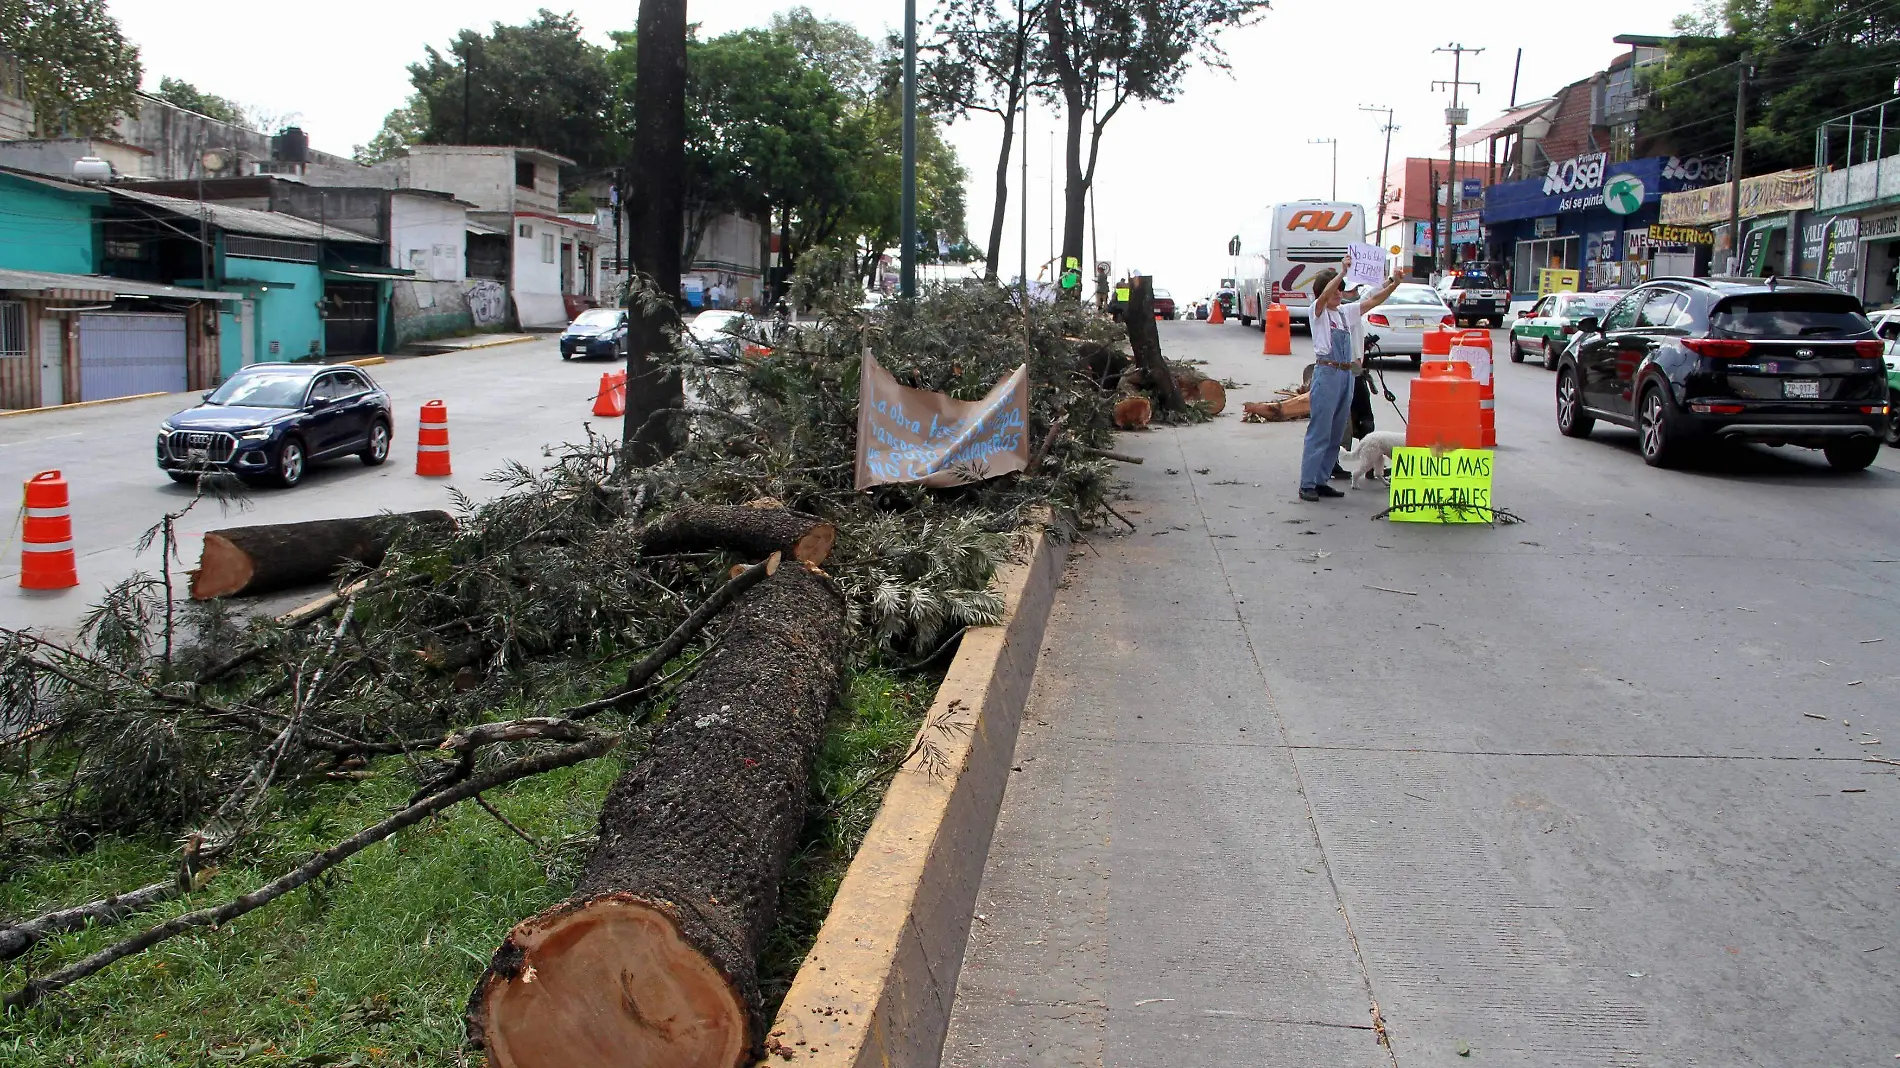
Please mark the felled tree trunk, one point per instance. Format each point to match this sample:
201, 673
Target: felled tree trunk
247, 561
1145, 340
746, 528
654, 959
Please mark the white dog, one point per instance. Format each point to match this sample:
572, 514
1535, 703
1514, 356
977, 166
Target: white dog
1370, 457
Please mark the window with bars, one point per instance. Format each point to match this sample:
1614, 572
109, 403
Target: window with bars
12, 329
270, 248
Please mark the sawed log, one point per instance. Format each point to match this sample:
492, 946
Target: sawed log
248, 561
654, 959
756, 530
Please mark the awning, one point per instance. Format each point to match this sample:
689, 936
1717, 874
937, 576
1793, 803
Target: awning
46, 285
369, 274
1505, 123
259, 283
474, 227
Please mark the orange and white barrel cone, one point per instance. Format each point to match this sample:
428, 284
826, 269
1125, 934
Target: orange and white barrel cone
612, 398
432, 440
46, 542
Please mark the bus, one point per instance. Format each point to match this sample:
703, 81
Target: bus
1282, 252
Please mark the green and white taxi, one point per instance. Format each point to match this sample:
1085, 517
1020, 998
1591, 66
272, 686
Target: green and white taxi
1547, 328
1887, 325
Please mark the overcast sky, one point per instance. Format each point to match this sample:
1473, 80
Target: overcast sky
1175, 180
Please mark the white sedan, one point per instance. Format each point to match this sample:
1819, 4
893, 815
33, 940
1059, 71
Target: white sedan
723, 333
1400, 324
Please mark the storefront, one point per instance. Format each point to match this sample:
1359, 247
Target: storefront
1586, 214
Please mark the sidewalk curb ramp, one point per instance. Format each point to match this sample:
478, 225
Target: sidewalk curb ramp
877, 987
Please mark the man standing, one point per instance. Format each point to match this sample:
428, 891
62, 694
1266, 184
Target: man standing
1337, 328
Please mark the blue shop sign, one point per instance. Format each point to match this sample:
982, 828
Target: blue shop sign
1581, 183
1473, 188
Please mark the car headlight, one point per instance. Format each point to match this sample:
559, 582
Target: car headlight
259, 434
166, 428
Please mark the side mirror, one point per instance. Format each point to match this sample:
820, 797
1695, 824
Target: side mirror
318, 403
1590, 325
205, 397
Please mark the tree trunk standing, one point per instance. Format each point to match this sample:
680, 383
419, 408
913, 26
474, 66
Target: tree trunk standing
246, 561
654, 960
1075, 101
1145, 340
999, 216
657, 205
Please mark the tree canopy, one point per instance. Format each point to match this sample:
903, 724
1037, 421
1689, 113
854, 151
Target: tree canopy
181, 93
1813, 60
81, 73
539, 85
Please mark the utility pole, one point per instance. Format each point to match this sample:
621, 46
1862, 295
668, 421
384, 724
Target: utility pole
907, 222
466, 54
1385, 167
1455, 117
1022, 211
1742, 71
1333, 141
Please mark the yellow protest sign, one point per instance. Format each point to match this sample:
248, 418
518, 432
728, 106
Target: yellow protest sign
1557, 280
1447, 487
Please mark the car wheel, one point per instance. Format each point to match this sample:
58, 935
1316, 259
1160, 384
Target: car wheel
1550, 356
1416, 360
290, 465
1657, 429
1893, 419
1517, 351
377, 450
1572, 422
1852, 455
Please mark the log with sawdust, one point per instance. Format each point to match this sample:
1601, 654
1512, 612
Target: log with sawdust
1133, 412
248, 561
654, 959
756, 530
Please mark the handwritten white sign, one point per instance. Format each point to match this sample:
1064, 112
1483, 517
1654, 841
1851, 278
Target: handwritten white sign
1368, 266
916, 435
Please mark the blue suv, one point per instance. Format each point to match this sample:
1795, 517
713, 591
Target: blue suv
270, 421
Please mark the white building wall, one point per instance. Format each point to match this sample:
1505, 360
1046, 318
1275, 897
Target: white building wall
429, 236
537, 272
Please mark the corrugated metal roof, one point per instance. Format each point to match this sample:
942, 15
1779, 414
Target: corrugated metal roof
1511, 119
247, 220
47, 282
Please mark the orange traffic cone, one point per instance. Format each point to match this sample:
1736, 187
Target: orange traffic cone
432, 440
46, 541
1214, 316
1277, 326
612, 398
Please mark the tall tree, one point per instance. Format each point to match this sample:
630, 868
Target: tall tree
1101, 54
540, 85
1813, 60
81, 73
657, 205
181, 93
979, 61
402, 127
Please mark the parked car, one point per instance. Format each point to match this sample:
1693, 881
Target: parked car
1546, 328
1474, 295
1887, 327
1692, 360
596, 332
1401, 322
1163, 304
724, 333
270, 421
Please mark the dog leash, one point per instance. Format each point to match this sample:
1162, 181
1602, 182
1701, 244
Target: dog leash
1387, 390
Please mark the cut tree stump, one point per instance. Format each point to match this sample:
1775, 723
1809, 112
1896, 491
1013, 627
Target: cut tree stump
654, 959
756, 532
248, 561
1145, 340
1133, 412
1212, 394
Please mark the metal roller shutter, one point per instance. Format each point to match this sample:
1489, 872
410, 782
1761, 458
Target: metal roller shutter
125, 354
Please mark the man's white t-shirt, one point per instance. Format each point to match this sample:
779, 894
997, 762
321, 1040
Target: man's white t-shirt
1348, 317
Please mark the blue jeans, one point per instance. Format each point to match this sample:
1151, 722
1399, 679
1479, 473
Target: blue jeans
1332, 411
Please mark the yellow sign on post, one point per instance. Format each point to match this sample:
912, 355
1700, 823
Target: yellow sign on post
1440, 487
1557, 280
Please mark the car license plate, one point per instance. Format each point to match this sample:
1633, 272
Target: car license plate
1801, 389
1414, 322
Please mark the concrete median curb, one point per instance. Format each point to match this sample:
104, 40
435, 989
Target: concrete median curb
85, 404
877, 987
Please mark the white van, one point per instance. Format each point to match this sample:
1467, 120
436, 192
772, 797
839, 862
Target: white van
1281, 253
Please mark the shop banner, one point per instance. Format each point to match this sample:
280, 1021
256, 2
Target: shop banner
1766, 194
1585, 183
1680, 235
915, 435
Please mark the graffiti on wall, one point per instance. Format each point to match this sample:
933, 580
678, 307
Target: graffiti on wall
487, 302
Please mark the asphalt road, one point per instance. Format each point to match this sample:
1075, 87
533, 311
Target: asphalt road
508, 402
1590, 790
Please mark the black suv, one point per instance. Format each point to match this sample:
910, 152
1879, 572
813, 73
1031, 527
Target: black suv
271, 421
1782, 361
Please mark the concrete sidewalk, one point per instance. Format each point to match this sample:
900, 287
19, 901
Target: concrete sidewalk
1556, 803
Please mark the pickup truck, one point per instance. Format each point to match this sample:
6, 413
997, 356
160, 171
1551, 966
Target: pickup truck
1472, 296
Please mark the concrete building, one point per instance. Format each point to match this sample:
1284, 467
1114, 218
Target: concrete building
552, 264
1416, 199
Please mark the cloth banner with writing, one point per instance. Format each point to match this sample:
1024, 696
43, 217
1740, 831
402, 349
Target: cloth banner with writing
915, 435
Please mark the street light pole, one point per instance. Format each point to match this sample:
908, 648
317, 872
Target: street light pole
1333, 141
907, 222
1454, 118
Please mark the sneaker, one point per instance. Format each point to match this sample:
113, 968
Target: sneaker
1326, 491
1308, 493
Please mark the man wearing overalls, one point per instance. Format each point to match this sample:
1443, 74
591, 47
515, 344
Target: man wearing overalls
1337, 328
